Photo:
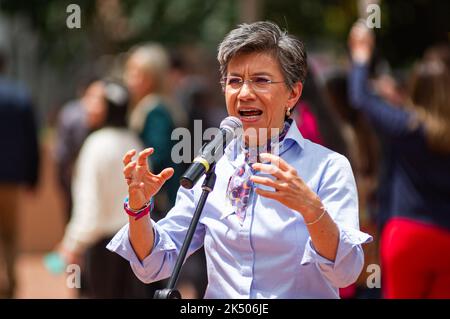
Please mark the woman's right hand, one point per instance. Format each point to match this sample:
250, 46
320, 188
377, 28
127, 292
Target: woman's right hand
142, 184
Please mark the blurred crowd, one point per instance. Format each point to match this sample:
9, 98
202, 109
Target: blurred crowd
394, 127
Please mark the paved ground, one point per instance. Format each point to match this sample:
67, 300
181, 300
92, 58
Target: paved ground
41, 226
35, 282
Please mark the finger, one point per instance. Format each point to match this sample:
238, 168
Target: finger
278, 185
127, 170
269, 169
268, 194
142, 158
166, 174
128, 156
275, 160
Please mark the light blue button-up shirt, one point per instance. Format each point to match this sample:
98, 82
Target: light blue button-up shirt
271, 254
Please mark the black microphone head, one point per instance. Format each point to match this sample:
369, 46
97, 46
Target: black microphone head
233, 124
230, 128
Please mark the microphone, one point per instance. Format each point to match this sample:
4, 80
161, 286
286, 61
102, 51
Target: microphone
211, 152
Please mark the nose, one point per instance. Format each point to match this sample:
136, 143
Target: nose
246, 91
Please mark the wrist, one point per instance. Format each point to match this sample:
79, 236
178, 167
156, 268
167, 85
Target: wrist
139, 213
361, 56
314, 213
136, 210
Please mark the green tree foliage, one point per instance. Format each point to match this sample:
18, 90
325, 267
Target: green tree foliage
408, 27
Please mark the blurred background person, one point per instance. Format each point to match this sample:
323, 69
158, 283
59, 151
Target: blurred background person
390, 86
76, 120
97, 213
151, 116
307, 123
362, 150
439, 52
194, 93
19, 168
416, 239
167, 94
315, 116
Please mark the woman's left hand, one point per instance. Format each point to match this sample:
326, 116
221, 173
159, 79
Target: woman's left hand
290, 189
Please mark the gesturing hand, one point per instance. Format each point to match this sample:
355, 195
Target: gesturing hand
142, 184
290, 189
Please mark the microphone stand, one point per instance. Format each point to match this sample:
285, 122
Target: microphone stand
170, 292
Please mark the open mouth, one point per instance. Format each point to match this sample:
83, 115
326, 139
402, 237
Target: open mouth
249, 112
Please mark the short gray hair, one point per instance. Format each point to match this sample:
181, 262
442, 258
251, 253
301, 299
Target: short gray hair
265, 36
154, 58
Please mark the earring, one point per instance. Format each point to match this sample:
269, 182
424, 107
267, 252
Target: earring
288, 112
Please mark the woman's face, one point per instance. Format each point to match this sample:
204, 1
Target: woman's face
137, 79
258, 107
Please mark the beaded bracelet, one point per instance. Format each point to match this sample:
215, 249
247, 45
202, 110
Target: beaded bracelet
138, 214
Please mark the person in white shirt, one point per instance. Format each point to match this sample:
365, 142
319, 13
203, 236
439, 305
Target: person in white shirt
98, 203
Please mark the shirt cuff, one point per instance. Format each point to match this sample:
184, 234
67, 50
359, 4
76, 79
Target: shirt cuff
148, 269
120, 244
348, 239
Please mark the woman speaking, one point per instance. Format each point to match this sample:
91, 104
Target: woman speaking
279, 224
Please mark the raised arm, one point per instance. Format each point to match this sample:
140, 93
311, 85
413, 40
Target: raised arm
142, 185
386, 118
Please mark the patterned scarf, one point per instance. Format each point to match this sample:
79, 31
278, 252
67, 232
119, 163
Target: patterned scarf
240, 187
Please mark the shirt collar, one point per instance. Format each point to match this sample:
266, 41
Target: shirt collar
295, 135
234, 150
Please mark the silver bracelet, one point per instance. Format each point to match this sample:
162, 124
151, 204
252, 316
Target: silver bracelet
319, 218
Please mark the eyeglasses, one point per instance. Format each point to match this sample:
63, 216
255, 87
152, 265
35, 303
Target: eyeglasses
257, 83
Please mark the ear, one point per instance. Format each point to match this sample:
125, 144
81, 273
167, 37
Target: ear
296, 92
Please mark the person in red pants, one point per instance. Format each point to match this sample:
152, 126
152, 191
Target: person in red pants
415, 244
417, 260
